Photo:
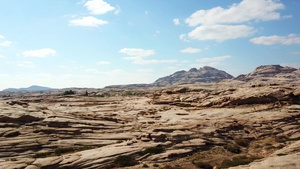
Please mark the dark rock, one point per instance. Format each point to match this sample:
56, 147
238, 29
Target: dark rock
193, 70
11, 134
20, 120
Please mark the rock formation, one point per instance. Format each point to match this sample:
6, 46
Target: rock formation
205, 74
268, 71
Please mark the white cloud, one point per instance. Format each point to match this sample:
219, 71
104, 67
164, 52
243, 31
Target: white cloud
41, 53
176, 21
137, 56
272, 40
98, 7
136, 52
247, 10
1, 37
88, 21
214, 59
6, 43
190, 50
1, 56
220, 32
118, 10
103, 63
184, 37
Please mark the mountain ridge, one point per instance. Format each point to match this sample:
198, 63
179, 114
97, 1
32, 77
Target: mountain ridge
30, 88
204, 74
270, 71
263, 72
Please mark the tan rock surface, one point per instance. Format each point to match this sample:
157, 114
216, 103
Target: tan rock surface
91, 132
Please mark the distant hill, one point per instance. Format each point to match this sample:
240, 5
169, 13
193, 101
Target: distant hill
204, 74
270, 71
31, 88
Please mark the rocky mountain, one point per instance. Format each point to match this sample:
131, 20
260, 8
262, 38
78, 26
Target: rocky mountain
204, 74
210, 74
31, 88
270, 71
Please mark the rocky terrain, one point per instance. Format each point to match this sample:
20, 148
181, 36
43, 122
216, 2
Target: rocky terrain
249, 122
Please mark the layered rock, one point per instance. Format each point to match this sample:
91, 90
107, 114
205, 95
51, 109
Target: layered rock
179, 126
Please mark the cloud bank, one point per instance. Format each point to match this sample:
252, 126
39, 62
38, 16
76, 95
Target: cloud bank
41, 53
223, 24
272, 40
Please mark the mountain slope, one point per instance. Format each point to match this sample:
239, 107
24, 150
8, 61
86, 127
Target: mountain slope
270, 71
204, 74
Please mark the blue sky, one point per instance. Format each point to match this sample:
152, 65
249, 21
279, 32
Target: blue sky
94, 43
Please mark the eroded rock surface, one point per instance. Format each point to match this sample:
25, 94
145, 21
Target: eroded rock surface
183, 126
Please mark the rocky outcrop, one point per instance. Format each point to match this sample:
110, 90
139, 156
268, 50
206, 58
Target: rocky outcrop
259, 93
268, 71
205, 74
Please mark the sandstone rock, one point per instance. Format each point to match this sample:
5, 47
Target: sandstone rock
32, 167
11, 134
47, 162
169, 155
158, 137
194, 143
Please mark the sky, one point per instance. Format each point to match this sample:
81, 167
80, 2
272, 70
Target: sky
95, 43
